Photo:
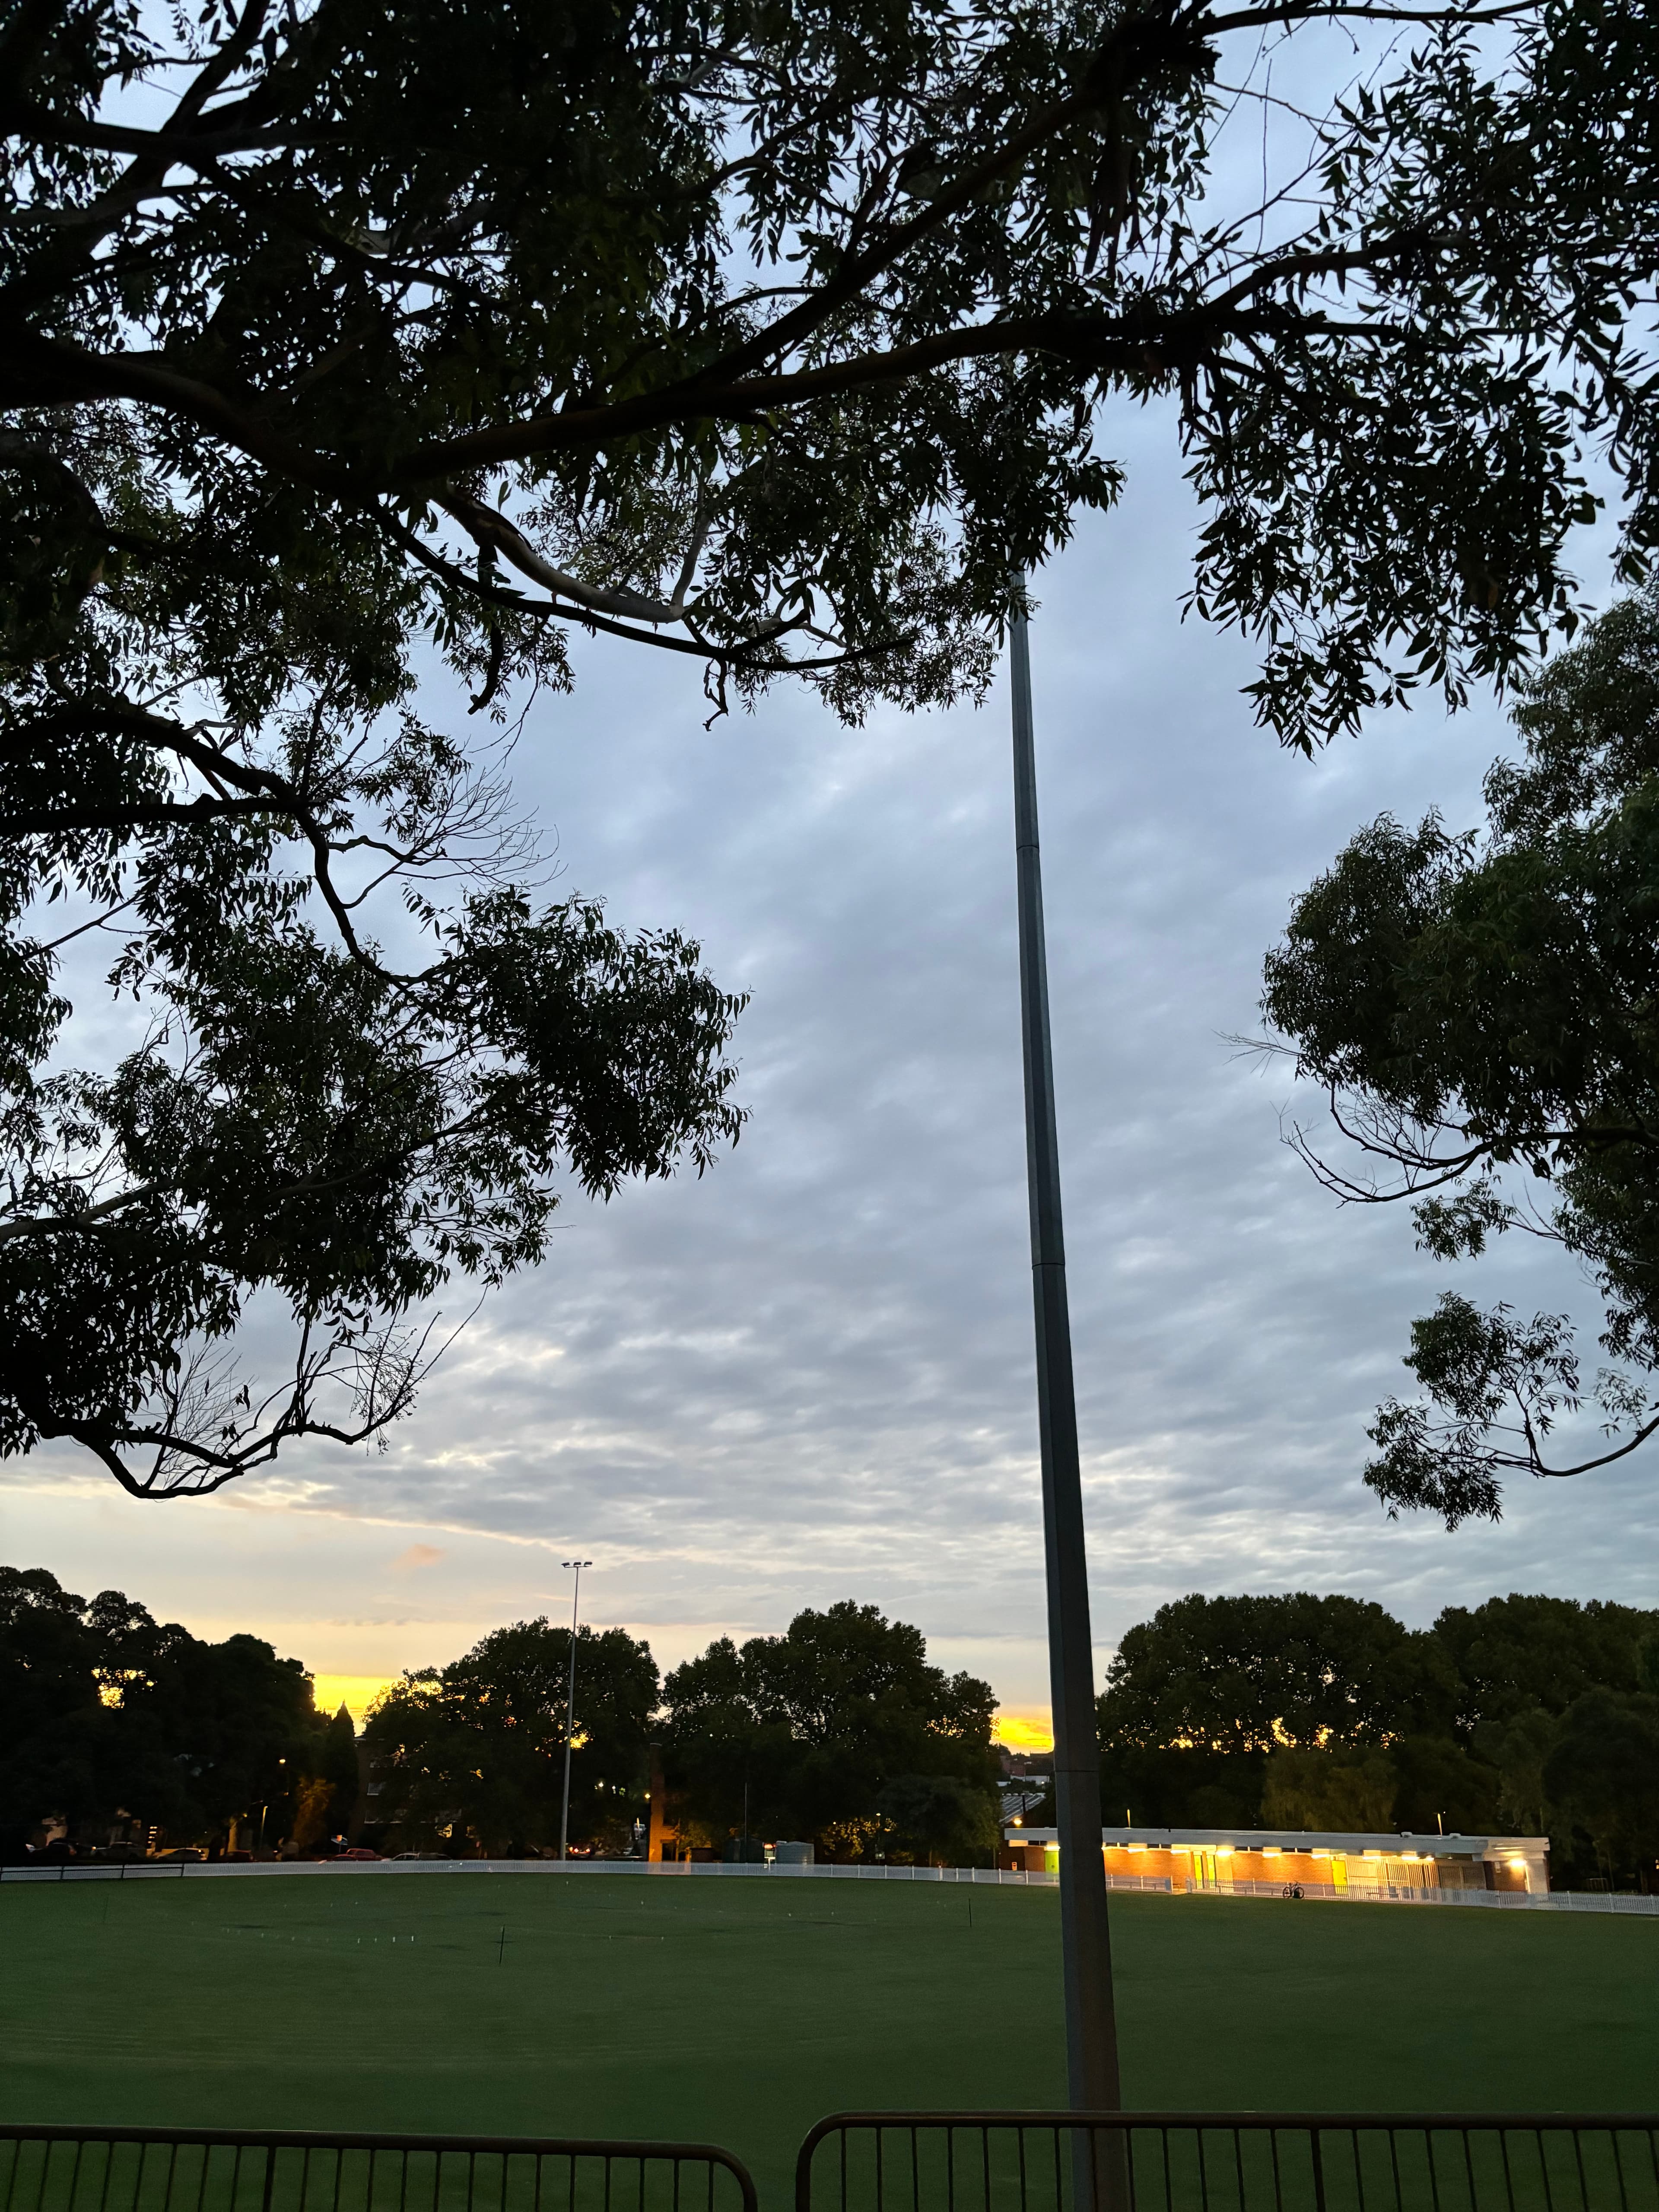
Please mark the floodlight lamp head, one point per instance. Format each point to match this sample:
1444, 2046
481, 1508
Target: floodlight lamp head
579, 1563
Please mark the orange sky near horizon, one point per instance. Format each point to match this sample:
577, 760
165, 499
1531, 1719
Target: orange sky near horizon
357, 1692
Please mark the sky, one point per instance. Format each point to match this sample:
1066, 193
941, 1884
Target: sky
809, 1375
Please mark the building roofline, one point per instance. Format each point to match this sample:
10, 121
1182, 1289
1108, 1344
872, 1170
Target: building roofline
1433, 1845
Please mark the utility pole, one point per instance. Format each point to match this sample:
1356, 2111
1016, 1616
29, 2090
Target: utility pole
1092, 2063
570, 1707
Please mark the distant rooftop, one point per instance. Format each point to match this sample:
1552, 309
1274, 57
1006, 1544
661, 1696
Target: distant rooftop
1433, 1845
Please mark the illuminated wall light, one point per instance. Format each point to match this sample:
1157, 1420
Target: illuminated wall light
1223, 1850
1272, 1851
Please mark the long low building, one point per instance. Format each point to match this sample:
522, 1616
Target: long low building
1223, 1859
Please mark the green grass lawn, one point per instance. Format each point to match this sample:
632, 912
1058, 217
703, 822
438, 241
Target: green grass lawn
741, 2011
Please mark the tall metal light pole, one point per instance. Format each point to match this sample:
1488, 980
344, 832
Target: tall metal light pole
1090, 2025
570, 1707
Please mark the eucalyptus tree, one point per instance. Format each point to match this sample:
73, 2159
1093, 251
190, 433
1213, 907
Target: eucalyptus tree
1479, 1006
344, 349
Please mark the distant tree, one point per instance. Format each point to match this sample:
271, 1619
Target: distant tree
934, 1820
1519, 1747
1478, 1004
235, 1720
1516, 1653
478, 1747
109, 1718
1235, 1674
337, 1766
1602, 1776
1353, 1789
820, 1724
1442, 1781
727, 1759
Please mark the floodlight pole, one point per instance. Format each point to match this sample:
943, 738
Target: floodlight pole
570, 1707
1092, 2063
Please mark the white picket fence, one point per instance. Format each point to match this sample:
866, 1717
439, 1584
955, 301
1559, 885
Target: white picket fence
1559, 1900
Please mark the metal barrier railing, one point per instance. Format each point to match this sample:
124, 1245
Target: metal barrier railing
1230, 2162
91, 2169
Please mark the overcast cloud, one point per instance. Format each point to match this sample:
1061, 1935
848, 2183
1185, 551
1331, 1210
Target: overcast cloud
809, 1375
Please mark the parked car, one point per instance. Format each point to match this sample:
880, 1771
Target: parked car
355, 1855
185, 1855
117, 1854
418, 1855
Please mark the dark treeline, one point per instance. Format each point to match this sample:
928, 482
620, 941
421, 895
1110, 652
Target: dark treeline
838, 1733
119, 1730
1530, 1715
119, 1733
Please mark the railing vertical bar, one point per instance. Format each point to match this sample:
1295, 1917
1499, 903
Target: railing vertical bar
1316, 2144
1509, 2171
109, 2170
1544, 2167
1434, 2171
1619, 2169
984, 2160
1024, 2198
1578, 2160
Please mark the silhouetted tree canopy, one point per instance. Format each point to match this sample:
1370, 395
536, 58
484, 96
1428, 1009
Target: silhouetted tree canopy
110, 1719
344, 346
1479, 1005
475, 1751
1246, 1674
841, 1731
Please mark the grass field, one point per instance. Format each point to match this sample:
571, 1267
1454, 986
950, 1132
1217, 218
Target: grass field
740, 2012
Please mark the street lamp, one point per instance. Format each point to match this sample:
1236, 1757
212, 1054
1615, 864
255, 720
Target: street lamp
1092, 2063
570, 1707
